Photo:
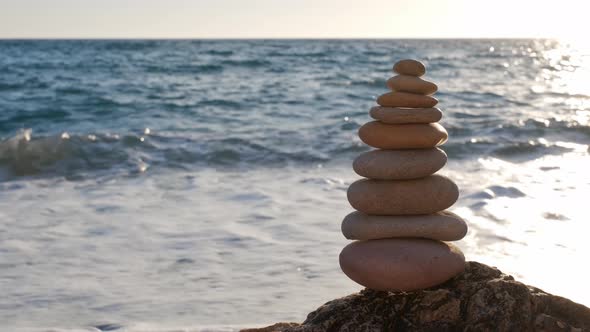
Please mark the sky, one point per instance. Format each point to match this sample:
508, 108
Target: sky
293, 18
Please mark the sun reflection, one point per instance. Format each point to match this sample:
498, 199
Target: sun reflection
533, 209
577, 82
565, 76
582, 118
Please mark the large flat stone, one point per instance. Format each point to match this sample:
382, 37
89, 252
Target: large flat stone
399, 164
403, 197
443, 226
404, 99
395, 115
403, 136
401, 264
411, 84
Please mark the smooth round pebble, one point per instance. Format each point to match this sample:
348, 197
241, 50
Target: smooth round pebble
427, 195
401, 264
399, 164
405, 99
411, 84
393, 115
443, 226
409, 67
402, 136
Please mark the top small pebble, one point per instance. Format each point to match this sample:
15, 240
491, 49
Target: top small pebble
409, 67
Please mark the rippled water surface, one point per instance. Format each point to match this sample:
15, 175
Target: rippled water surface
201, 184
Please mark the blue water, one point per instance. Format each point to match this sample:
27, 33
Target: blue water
186, 184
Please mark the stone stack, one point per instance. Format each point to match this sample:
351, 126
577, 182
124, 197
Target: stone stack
401, 221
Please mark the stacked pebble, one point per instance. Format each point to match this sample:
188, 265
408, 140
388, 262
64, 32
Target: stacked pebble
401, 224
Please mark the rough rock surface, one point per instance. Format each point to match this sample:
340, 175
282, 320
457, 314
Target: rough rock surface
480, 299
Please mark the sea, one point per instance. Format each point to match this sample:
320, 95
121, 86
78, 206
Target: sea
199, 185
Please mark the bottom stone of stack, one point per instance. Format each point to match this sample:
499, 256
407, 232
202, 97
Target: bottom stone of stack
401, 264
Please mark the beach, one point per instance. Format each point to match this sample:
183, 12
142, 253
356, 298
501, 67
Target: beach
200, 184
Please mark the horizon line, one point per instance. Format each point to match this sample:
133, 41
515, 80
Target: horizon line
278, 38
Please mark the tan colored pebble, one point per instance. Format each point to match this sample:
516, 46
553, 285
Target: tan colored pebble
427, 195
411, 84
401, 264
393, 115
409, 67
404, 99
402, 136
443, 226
399, 164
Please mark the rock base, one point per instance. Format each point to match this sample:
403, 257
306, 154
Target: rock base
480, 299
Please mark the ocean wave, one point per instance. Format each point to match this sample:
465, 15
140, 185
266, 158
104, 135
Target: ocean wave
528, 150
247, 63
370, 83
46, 114
298, 54
502, 149
219, 52
220, 103
474, 96
80, 155
10, 86
557, 94
30, 83
122, 45
76, 156
198, 68
65, 155
185, 68
71, 90
541, 127
486, 54
305, 88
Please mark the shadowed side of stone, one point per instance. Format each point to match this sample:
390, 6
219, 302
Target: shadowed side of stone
480, 299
